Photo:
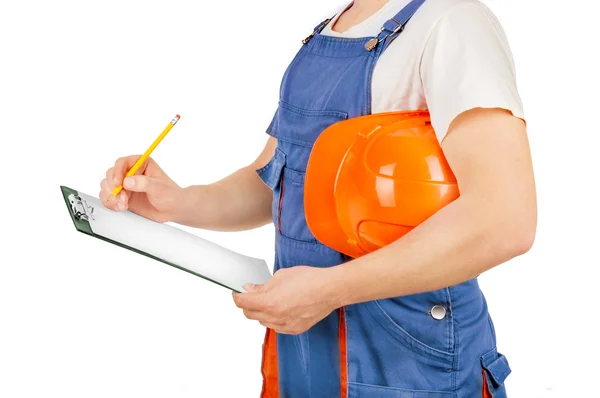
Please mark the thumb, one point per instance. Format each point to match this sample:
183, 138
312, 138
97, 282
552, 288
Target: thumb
139, 183
252, 288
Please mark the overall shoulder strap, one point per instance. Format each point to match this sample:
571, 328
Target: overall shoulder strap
393, 27
318, 29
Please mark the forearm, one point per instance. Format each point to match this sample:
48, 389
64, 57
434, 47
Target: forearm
459, 242
492, 221
240, 201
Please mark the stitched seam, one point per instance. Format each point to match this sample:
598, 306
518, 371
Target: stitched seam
349, 40
347, 350
399, 389
297, 181
294, 176
307, 366
315, 246
456, 365
503, 376
448, 321
492, 330
369, 82
313, 240
300, 353
282, 138
451, 340
411, 340
260, 172
265, 167
309, 112
338, 56
488, 357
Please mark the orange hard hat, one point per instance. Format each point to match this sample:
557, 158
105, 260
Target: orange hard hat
371, 179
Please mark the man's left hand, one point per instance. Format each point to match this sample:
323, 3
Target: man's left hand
292, 301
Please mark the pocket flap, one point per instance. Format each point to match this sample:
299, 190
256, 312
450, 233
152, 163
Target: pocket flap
270, 173
496, 366
301, 126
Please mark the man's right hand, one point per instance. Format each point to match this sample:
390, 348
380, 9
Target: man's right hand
150, 193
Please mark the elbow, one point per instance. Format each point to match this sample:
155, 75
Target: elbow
509, 229
523, 240
519, 236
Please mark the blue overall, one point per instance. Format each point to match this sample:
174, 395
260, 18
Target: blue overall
396, 347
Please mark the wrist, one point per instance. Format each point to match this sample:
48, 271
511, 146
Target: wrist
184, 201
337, 287
355, 281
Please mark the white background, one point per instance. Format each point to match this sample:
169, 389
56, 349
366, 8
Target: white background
82, 83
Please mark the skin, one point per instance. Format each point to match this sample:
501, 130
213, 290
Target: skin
493, 220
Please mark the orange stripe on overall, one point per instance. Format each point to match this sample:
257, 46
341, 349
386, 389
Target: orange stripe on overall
270, 388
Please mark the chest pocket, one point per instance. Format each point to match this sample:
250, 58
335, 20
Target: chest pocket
296, 130
301, 126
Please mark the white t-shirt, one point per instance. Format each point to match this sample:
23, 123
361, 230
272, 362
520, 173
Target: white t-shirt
452, 56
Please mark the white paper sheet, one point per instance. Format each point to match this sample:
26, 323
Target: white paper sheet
177, 246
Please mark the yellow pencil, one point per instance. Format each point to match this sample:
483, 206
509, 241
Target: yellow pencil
146, 155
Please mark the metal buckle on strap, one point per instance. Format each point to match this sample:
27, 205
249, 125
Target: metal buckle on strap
398, 28
317, 30
309, 37
371, 44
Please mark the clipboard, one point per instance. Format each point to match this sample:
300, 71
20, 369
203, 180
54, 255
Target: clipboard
164, 243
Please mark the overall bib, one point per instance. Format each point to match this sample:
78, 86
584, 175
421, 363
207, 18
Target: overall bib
438, 344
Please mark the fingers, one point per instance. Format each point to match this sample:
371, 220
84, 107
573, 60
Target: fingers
139, 183
261, 317
266, 320
273, 326
107, 186
105, 191
122, 166
256, 308
117, 173
122, 201
119, 203
250, 301
114, 178
252, 288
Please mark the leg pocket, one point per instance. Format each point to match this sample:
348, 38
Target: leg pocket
495, 369
414, 327
358, 390
380, 353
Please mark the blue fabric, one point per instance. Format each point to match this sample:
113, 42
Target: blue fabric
395, 348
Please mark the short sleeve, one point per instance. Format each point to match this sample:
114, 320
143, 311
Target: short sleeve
467, 63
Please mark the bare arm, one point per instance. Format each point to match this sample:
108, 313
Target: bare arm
240, 201
492, 221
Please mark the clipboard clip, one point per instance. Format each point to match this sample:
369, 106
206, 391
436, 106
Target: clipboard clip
81, 210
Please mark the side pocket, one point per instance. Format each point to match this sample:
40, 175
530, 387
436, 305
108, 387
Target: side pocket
495, 369
272, 175
280, 202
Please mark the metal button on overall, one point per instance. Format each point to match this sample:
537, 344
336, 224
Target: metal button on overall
437, 312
